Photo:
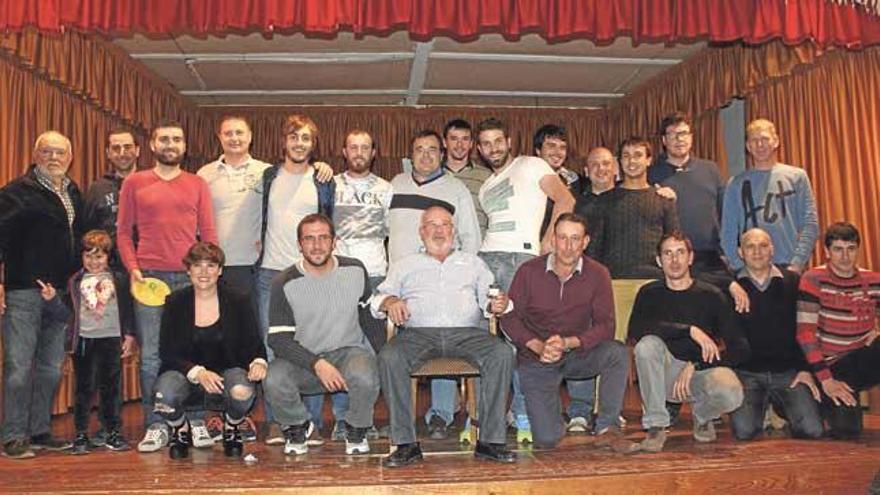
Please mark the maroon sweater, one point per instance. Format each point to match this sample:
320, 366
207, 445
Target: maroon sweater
543, 305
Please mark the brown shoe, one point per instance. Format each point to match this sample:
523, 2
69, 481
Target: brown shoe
612, 438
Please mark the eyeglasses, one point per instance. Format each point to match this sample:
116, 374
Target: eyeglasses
678, 135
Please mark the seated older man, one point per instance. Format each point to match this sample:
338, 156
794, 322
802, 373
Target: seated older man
441, 296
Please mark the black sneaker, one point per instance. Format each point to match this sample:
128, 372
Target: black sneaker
405, 455
248, 430
295, 438
356, 440
437, 428
116, 442
18, 449
99, 438
81, 444
232, 443
179, 443
47, 442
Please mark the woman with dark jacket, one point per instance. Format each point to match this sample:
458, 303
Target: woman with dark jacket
211, 351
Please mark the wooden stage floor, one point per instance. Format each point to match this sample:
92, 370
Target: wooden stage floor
770, 465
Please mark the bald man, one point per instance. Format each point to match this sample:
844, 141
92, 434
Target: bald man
39, 228
776, 372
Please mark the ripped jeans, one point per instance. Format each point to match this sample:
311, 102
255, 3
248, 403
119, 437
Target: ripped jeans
174, 395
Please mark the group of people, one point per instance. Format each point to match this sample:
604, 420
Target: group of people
280, 276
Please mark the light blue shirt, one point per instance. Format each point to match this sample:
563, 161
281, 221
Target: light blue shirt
451, 293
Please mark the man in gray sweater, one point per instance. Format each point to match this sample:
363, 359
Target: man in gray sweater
315, 331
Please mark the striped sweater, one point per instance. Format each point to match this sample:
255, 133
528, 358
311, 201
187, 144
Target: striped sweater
835, 315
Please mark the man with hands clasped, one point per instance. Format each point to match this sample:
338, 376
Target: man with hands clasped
562, 324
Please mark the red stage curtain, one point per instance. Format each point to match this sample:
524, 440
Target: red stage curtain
754, 21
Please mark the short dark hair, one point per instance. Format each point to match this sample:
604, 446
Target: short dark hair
548, 131
573, 218
120, 130
457, 124
491, 124
162, 124
636, 141
426, 133
678, 236
315, 218
204, 251
230, 116
842, 231
97, 240
674, 118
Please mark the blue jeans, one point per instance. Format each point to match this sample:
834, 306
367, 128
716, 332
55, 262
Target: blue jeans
175, 394
148, 320
504, 266
33, 351
315, 406
287, 383
583, 395
794, 404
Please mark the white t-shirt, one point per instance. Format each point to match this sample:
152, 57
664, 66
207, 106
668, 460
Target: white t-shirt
360, 215
515, 204
291, 198
237, 196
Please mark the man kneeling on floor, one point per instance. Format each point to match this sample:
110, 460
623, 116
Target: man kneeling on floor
441, 295
563, 326
687, 342
776, 373
319, 343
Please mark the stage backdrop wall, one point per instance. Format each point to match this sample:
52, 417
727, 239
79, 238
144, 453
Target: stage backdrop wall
825, 104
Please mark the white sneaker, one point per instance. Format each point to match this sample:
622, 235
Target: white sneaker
200, 437
577, 424
295, 438
154, 439
356, 441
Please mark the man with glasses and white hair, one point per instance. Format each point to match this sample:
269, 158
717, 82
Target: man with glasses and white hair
39, 228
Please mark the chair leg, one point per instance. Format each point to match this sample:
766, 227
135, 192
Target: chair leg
414, 389
469, 388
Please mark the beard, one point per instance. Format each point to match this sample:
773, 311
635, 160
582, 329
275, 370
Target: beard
166, 158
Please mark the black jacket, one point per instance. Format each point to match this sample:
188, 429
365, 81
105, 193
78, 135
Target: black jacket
36, 240
241, 338
100, 209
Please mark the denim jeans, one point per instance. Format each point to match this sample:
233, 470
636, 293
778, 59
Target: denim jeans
794, 404
286, 383
540, 384
315, 406
714, 391
410, 349
504, 266
98, 366
264, 288
33, 351
583, 396
148, 320
175, 394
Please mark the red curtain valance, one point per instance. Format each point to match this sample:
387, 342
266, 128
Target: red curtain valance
754, 21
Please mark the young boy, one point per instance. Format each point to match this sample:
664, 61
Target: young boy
101, 335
